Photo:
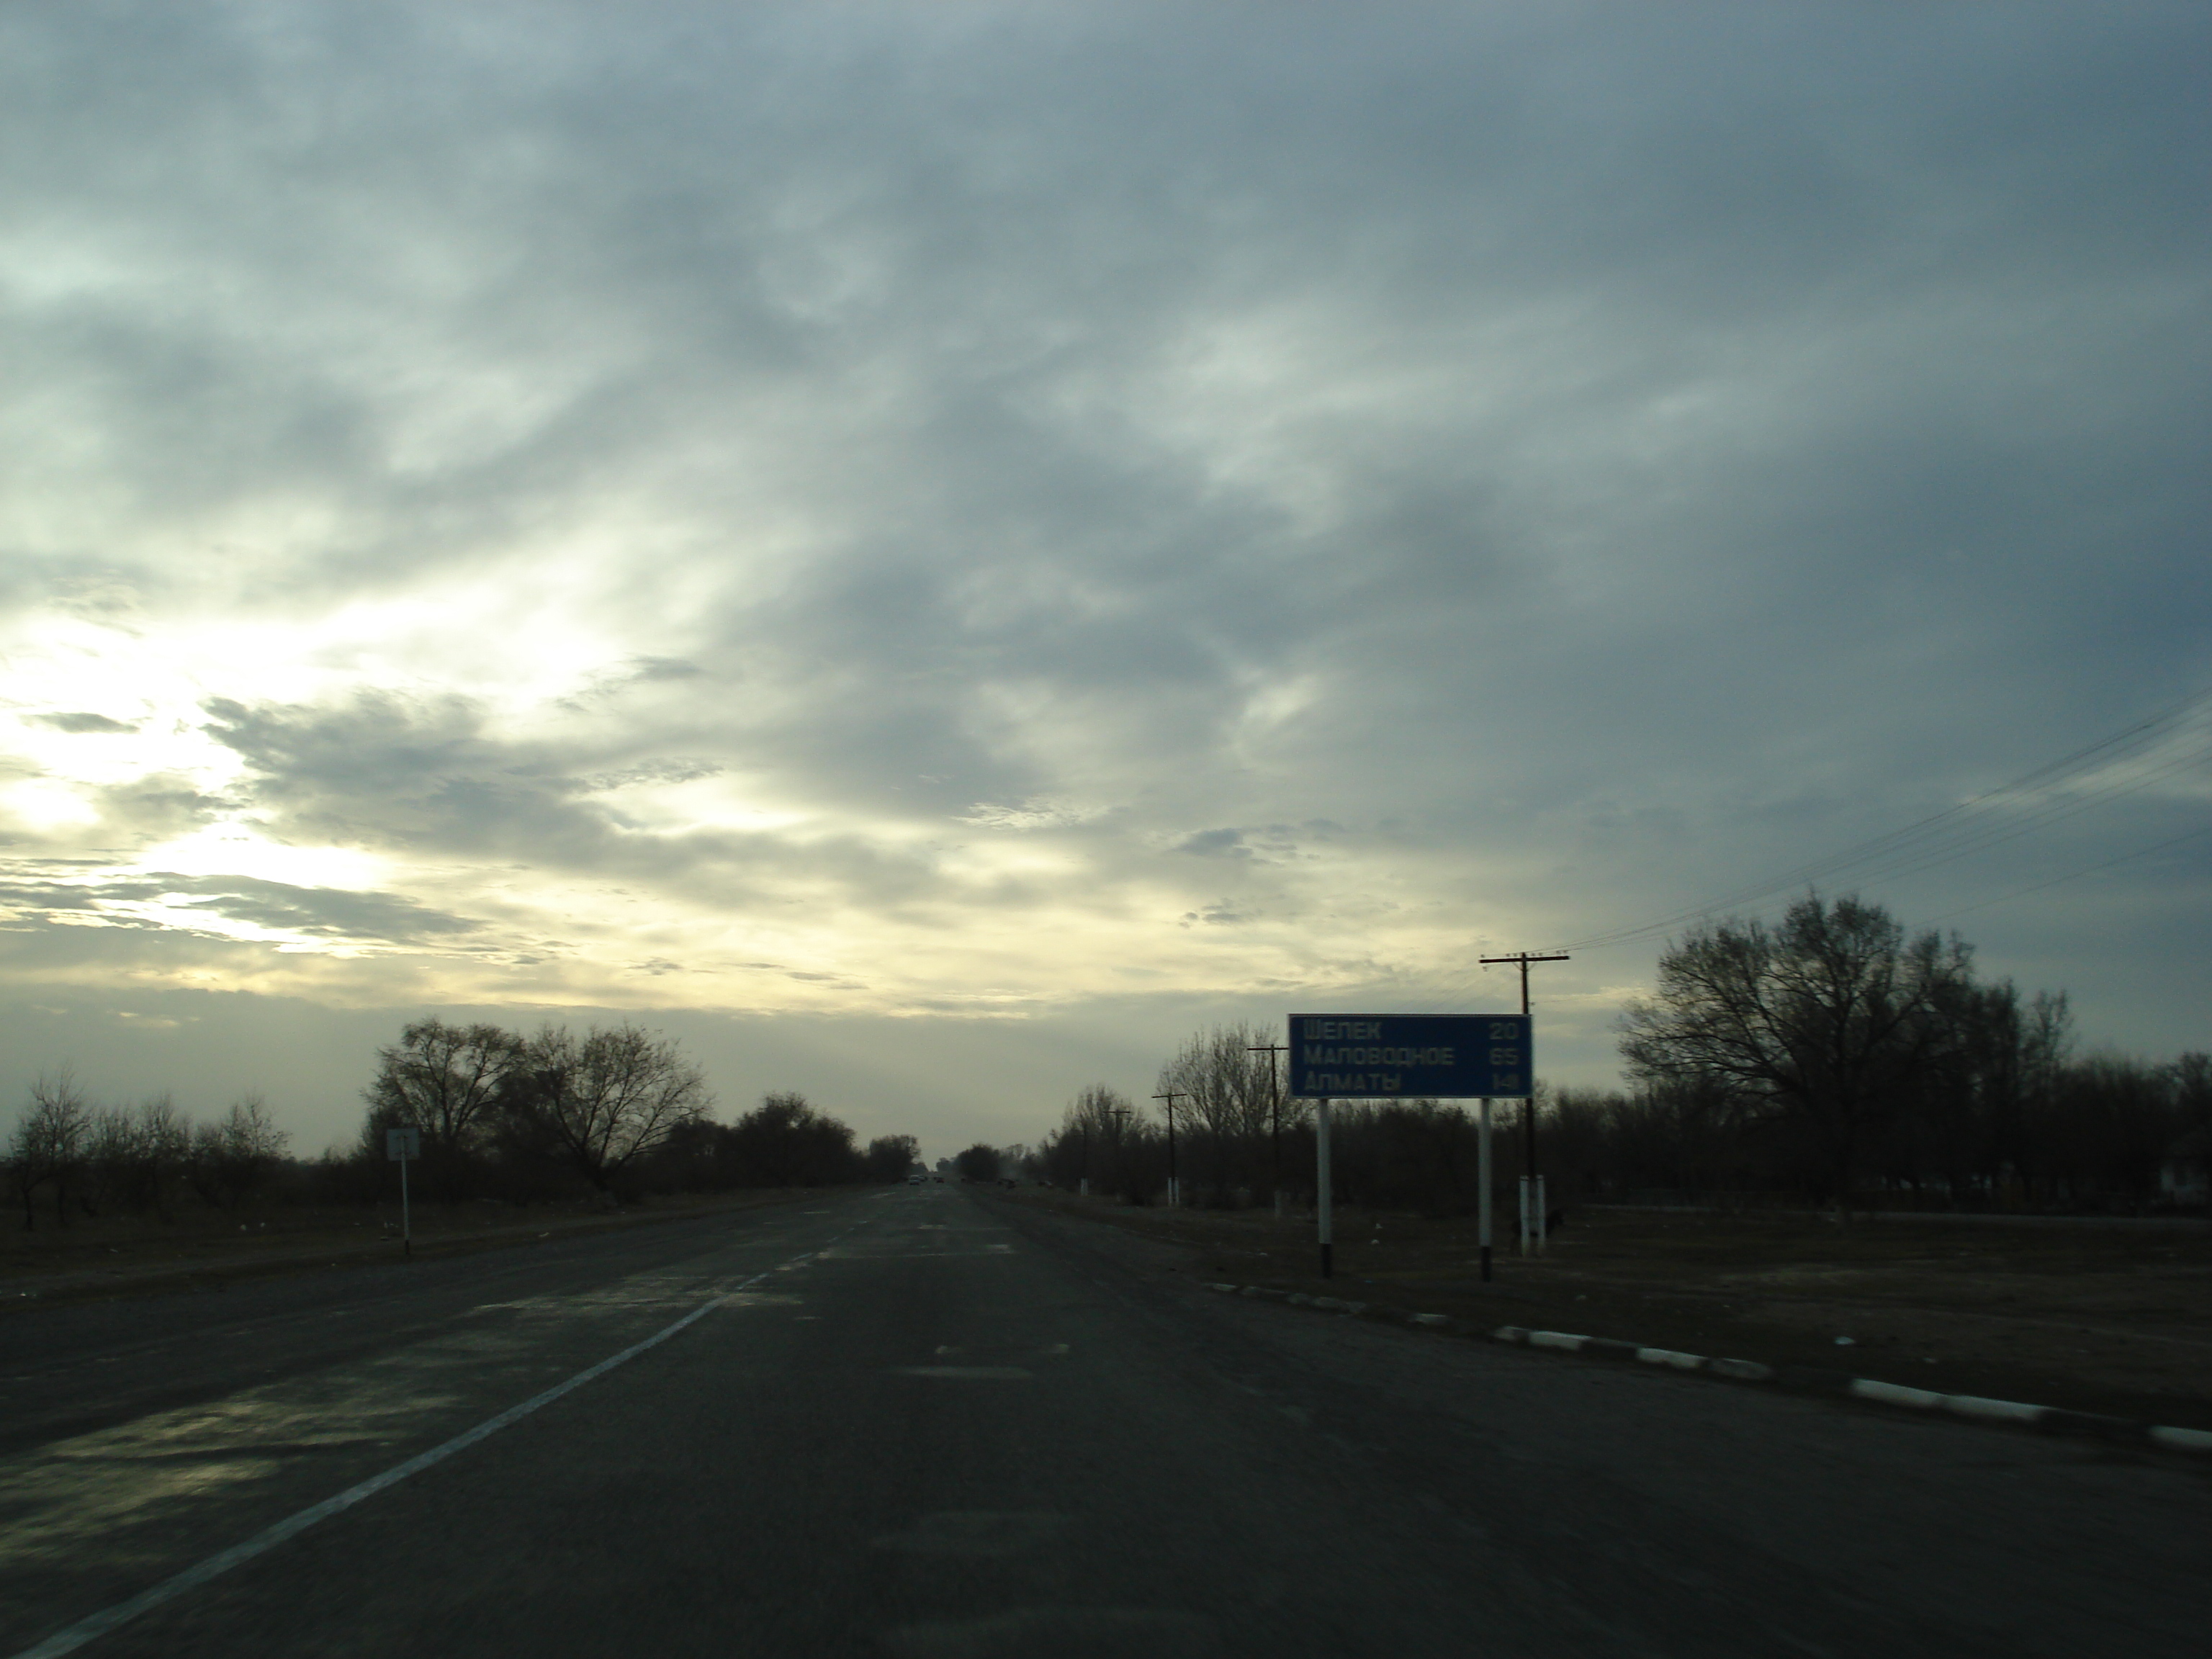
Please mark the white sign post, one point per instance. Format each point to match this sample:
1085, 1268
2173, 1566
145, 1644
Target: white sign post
1482, 1176
399, 1146
1409, 1057
1324, 1200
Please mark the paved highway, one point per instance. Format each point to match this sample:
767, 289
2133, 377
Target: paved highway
930, 1422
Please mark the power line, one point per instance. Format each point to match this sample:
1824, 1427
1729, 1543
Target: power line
1972, 826
2073, 875
1962, 830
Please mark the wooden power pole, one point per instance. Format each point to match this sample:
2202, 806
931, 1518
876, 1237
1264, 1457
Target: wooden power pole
1529, 1101
1274, 1103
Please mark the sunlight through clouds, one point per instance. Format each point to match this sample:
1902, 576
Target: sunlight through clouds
911, 513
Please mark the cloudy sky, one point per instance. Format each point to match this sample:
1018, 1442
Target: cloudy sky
930, 550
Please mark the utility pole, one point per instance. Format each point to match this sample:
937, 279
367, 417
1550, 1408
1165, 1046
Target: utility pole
1274, 1103
1171, 1096
1117, 1120
1528, 1100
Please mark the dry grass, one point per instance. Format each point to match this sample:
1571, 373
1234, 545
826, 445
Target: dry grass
107, 1255
2096, 1318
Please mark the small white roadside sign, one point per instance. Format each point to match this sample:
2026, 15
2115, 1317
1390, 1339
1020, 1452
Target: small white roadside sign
399, 1146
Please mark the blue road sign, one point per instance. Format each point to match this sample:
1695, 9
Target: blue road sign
1410, 1056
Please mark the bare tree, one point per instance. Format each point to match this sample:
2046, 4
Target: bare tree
1089, 1144
786, 1142
443, 1079
607, 1099
890, 1156
978, 1162
133, 1152
49, 1143
1230, 1093
1822, 1021
232, 1159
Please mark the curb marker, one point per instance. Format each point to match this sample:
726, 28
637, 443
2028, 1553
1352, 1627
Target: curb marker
2049, 1419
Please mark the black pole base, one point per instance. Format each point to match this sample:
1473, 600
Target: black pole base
1327, 1268
1485, 1264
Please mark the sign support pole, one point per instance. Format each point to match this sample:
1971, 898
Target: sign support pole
1324, 1198
402, 1142
1482, 1166
1483, 1057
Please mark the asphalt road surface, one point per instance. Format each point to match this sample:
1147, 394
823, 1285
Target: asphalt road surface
929, 1422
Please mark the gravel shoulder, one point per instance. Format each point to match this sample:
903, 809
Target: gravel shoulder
95, 1260
2113, 1322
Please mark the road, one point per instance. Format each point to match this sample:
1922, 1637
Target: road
931, 1422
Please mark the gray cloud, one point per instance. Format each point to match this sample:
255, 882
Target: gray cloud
81, 723
426, 778
1215, 843
337, 914
1565, 459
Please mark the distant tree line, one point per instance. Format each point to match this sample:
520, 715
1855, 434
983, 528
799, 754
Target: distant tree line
136, 1160
616, 1110
981, 1162
1828, 1059
1832, 1054
1236, 1139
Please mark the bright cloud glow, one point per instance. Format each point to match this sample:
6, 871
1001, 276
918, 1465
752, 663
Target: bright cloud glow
910, 514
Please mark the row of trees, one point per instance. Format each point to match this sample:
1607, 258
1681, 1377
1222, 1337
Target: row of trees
1831, 1050
617, 1111
782, 1142
500, 1111
134, 1159
1825, 1056
983, 1162
620, 1108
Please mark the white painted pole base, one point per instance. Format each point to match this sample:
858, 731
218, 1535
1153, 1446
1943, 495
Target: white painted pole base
1324, 1198
1482, 1176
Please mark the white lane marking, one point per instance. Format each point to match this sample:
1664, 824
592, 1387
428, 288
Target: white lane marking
99, 1624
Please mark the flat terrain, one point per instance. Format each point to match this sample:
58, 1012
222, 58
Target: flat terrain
2112, 1318
104, 1256
935, 1421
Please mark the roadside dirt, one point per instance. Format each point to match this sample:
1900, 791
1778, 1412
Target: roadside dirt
100, 1257
2099, 1319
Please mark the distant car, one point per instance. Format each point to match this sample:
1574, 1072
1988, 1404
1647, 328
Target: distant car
939, 1180
914, 1180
